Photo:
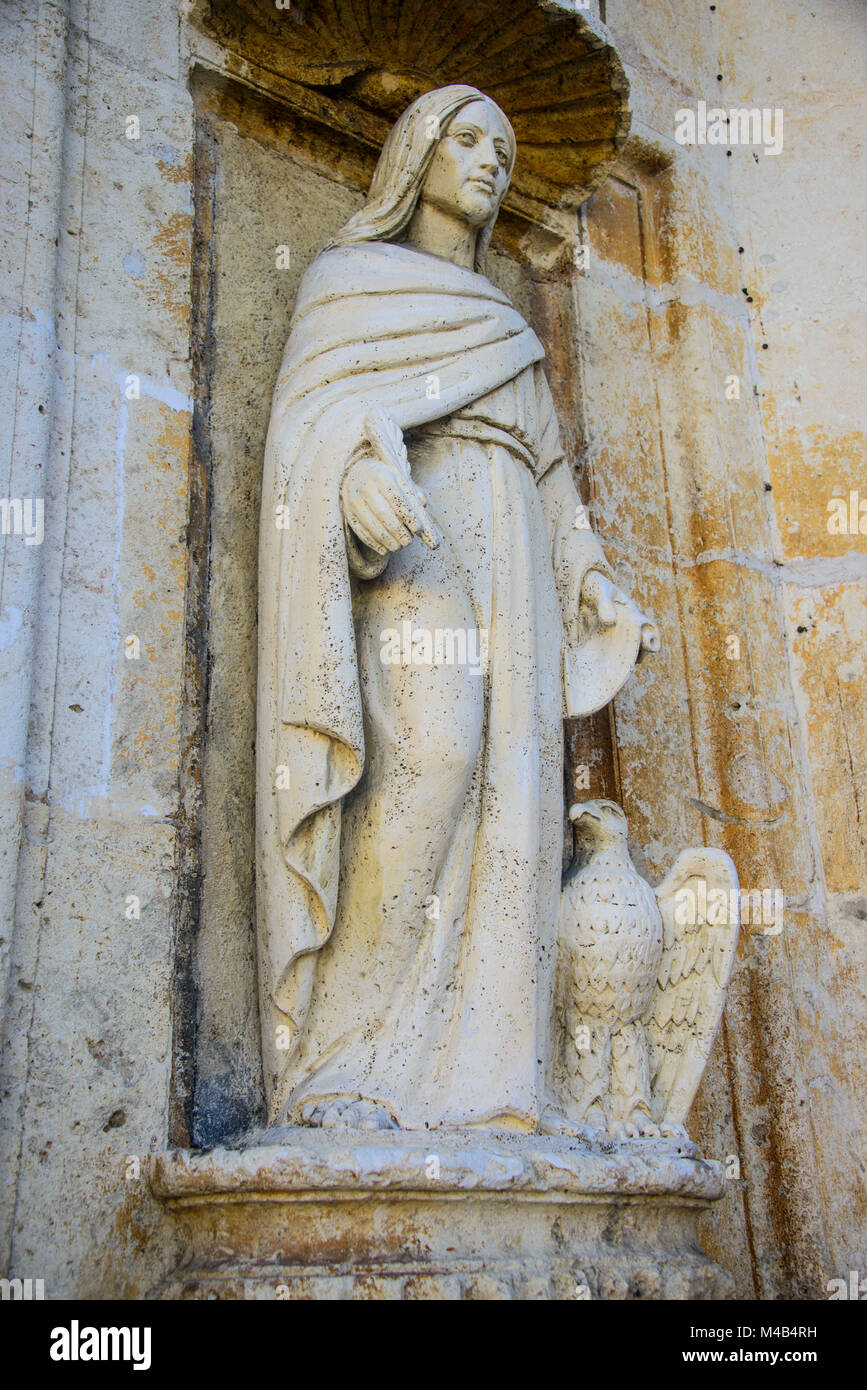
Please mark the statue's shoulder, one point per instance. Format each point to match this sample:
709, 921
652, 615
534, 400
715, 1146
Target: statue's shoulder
366, 258
339, 272
389, 267
328, 271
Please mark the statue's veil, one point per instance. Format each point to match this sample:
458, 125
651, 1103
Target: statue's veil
403, 165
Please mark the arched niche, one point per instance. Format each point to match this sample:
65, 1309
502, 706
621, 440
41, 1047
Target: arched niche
292, 107
349, 67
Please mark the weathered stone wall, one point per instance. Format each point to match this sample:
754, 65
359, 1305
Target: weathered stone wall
684, 477
750, 268
101, 292
801, 264
142, 314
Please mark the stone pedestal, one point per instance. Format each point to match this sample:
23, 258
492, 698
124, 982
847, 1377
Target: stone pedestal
320, 1214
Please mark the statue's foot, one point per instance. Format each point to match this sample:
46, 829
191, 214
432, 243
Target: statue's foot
555, 1123
346, 1112
638, 1126
677, 1132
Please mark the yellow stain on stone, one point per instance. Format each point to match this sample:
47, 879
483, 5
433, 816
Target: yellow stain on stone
808, 466
828, 643
177, 173
173, 244
157, 558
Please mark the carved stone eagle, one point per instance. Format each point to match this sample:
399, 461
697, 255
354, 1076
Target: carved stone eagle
642, 980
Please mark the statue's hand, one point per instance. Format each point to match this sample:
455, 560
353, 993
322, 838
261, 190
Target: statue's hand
604, 603
385, 508
600, 596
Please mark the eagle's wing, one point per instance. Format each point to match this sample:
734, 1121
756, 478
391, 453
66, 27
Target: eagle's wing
700, 936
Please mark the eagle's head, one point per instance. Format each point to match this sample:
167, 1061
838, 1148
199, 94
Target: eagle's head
597, 823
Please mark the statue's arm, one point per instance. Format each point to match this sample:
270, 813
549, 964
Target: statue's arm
365, 560
382, 507
590, 600
575, 549
580, 568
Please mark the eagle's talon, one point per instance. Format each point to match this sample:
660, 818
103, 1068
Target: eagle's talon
346, 1112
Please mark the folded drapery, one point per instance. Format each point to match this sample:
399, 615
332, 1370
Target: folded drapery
376, 327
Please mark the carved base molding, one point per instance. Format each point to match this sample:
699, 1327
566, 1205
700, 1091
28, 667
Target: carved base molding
317, 1214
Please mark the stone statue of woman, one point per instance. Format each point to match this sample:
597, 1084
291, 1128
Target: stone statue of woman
421, 575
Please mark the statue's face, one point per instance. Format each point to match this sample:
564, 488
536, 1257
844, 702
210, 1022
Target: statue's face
469, 172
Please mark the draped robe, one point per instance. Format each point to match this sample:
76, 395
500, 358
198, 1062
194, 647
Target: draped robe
410, 812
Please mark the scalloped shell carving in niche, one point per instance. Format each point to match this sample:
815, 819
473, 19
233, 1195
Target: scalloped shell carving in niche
554, 73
